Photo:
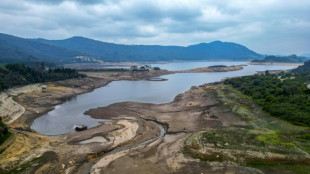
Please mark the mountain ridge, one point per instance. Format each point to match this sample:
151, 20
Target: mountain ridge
282, 59
69, 50
15, 49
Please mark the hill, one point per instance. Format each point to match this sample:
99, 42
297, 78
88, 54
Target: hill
79, 49
117, 52
305, 69
283, 59
284, 95
306, 55
19, 74
15, 49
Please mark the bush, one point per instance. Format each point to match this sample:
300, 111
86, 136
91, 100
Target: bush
20, 74
4, 132
285, 96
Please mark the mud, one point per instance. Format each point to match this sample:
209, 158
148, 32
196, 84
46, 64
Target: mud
194, 110
131, 124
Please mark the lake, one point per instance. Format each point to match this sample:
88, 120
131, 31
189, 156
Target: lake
65, 116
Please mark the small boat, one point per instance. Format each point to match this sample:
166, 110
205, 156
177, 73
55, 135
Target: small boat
80, 128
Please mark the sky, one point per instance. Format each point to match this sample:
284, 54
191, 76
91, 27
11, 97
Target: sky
265, 26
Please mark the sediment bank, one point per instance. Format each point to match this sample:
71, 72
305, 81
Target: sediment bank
198, 109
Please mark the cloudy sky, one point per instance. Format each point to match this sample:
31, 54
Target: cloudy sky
265, 26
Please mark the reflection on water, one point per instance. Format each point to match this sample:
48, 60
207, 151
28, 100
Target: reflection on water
63, 118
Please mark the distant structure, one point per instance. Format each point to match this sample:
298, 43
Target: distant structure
134, 68
143, 68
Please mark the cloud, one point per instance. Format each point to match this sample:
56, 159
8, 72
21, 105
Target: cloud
55, 2
269, 26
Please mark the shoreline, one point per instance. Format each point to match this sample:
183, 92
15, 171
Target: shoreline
141, 63
25, 121
275, 63
39, 101
131, 124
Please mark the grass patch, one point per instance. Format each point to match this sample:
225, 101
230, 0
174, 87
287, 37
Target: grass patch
229, 139
266, 141
273, 139
14, 97
34, 164
281, 167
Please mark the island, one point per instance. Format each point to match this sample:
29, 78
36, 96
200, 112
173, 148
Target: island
293, 60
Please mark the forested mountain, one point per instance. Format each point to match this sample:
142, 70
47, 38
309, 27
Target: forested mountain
19, 50
285, 59
116, 52
77, 49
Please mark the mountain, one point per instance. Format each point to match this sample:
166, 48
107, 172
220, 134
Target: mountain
306, 55
285, 59
16, 49
117, 52
80, 49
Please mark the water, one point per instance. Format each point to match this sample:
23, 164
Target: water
65, 116
179, 66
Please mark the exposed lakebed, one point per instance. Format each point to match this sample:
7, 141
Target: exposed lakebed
64, 117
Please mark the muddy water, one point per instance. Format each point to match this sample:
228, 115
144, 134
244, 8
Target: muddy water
65, 116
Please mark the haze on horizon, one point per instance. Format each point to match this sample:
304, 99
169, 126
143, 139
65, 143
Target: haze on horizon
265, 26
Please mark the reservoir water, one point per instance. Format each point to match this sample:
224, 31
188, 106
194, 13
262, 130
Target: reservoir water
65, 116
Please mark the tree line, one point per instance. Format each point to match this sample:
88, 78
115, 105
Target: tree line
283, 95
4, 132
19, 74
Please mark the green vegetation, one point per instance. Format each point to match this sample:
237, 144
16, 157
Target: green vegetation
305, 69
20, 74
217, 66
264, 142
273, 139
106, 70
283, 95
73, 50
4, 132
34, 164
283, 59
270, 144
279, 168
